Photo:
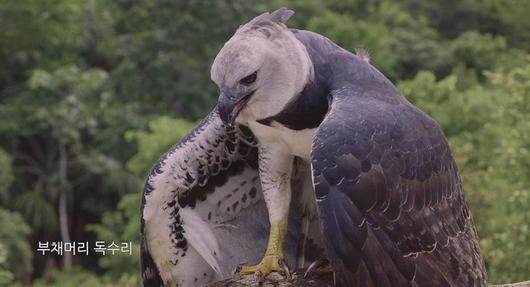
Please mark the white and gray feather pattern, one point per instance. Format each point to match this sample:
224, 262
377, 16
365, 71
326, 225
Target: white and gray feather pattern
202, 211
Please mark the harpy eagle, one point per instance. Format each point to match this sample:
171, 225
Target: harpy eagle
309, 153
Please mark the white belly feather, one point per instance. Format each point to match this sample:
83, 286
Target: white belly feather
297, 143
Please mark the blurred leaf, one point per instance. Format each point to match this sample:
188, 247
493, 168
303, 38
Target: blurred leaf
15, 251
162, 134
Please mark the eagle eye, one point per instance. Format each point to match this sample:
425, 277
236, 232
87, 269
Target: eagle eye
248, 80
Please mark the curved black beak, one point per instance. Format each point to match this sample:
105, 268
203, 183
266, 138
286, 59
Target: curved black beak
229, 106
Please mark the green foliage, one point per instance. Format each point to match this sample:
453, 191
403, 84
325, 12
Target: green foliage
6, 173
32, 33
162, 134
64, 107
477, 50
76, 277
6, 276
121, 225
455, 110
15, 251
509, 166
79, 277
70, 115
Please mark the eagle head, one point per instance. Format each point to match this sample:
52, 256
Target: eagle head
260, 69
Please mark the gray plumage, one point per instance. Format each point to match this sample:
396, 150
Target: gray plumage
213, 173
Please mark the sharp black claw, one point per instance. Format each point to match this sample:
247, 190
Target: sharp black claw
315, 265
257, 277
285, 267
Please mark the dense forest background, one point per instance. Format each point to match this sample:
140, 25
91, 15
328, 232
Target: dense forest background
92, 92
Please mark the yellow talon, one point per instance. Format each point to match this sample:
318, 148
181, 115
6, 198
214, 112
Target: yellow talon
268, 264
274, 254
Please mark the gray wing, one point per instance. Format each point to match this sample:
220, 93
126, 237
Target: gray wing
390, 199
190, 200
202, 209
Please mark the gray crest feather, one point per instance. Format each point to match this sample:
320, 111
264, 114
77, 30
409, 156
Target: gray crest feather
281, 15
268, 23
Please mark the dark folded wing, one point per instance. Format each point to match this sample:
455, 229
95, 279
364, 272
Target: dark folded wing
390, 198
